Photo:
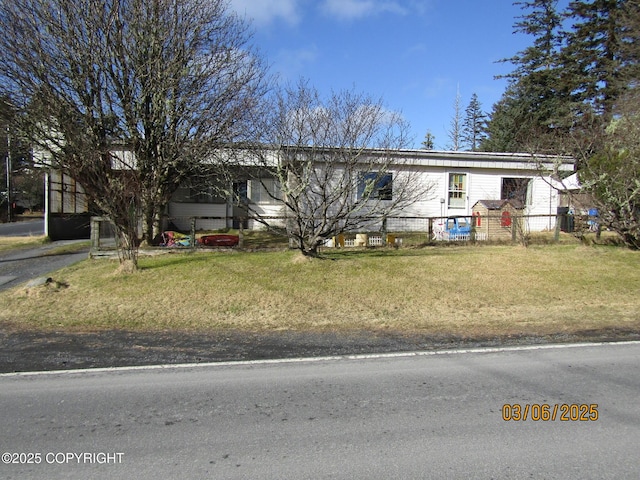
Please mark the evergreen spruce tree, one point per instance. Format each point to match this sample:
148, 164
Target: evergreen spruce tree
594, 53
577, 92
428, 142
543, 22
536, 107
630, 44
473, 125
509, 128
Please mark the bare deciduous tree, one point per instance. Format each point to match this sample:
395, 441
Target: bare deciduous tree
455, 127
336, 166
170, 79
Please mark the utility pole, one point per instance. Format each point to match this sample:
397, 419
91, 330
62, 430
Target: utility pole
8, 165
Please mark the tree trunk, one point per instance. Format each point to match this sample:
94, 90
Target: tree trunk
128, 248
151, 224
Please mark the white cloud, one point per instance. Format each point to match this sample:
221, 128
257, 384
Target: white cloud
263, 12
354, 9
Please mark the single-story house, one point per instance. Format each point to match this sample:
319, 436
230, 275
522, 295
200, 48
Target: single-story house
458, 180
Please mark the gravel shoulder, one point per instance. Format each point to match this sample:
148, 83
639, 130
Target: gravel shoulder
22, 351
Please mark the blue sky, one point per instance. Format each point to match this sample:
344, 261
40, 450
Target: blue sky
414, 54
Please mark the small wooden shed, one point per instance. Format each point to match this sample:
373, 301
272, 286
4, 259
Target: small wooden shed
494, 219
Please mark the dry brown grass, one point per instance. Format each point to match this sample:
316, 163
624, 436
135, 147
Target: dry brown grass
465, 291
11, 243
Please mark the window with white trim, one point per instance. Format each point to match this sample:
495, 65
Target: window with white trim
457, 190
375, 186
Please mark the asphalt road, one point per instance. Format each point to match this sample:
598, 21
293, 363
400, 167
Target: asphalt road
24, 228
19, 266
434, 416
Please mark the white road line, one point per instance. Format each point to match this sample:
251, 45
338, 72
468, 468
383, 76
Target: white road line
364, 356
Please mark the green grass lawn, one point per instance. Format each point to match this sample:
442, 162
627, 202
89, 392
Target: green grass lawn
458, 290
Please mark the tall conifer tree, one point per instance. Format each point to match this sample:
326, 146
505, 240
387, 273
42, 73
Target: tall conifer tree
536, 105
473, 125
593, 55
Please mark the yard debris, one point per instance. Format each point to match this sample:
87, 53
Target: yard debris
176, 239
41, 286
219, 240
38, 282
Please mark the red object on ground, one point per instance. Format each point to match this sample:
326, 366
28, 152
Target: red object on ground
222, 240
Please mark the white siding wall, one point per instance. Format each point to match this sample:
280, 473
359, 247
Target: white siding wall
544, 201
486, 185
430, 182
268, 210
544, 198
483, 183
180, 214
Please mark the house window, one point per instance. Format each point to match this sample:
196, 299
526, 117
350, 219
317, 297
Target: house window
375, 185
265, 190
240, 193
457, 190
516, 189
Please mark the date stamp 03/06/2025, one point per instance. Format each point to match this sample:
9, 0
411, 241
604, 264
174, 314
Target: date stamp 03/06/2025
565, 412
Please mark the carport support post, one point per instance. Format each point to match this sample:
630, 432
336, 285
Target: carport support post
95, 234
8, 165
